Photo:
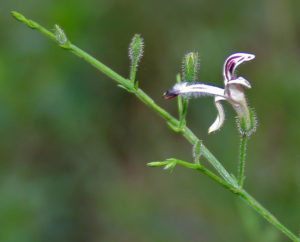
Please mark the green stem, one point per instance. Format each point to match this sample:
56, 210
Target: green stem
133, 72
266, 214
245, 196
182, 114
207, 172
243, 149
228, 182
179, 98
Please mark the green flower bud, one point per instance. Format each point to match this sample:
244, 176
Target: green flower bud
60, 35
190, 67
18, 16
136, 49
21, 18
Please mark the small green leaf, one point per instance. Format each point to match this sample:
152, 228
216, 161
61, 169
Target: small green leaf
171, 163
136, 85
156, 163
174, 128
32, 24
128, 89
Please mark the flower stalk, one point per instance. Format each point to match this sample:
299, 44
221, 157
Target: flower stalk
190, 66
241, 170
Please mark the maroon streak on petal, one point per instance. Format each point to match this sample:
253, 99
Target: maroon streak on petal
167, 97
169, 94
233, 62
230, 65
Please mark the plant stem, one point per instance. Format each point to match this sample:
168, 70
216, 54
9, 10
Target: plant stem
179, 102
266, 214
243, 148
253, 203
133, 72
229, 182
183, 113
206, 172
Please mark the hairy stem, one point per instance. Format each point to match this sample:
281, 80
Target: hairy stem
133, 72
243, 149
227, 182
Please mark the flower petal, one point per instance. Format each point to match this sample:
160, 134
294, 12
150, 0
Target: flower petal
240, 81
217, 124
232, 62
194, 90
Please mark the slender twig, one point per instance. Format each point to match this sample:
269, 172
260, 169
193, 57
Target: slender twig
180, 105
228, 181
194, 166
243, 148
133, 72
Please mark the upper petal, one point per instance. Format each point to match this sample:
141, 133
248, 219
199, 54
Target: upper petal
232, 62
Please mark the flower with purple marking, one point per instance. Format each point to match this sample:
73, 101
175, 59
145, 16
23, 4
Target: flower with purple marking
232, 92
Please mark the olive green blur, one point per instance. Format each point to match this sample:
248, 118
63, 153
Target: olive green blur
74, 146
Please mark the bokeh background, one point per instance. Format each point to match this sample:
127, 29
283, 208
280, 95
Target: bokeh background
74, 147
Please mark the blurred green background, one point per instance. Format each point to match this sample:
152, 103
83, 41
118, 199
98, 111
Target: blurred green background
74, 147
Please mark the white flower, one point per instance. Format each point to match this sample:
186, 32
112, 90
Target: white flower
232, 92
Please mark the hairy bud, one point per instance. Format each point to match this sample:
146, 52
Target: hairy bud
60, 35
190, 67
136, 48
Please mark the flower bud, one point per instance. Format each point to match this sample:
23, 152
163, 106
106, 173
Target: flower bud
136, 49
18, 16
156, 163
21, 18
190, 67
60, 35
